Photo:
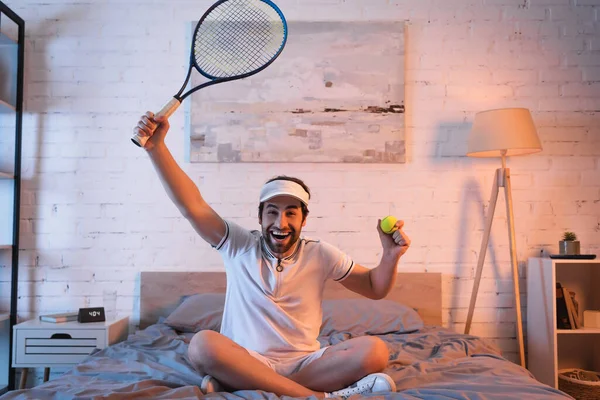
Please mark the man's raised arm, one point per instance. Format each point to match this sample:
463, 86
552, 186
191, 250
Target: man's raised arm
180, 188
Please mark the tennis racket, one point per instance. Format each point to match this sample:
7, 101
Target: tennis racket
233, 40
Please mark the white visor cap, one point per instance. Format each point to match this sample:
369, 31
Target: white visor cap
282, 187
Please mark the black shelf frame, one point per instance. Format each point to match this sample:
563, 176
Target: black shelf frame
5, 11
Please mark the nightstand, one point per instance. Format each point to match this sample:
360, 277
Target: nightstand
550, 349
48, 344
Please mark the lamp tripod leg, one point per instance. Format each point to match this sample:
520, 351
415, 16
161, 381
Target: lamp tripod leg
484, 244
513, 260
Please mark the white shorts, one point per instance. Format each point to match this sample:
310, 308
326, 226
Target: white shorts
288, 366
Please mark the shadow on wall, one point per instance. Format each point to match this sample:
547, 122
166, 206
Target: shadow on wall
35, 83
472, 198
450, 148
42, 201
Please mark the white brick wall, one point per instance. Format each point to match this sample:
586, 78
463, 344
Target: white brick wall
94, 214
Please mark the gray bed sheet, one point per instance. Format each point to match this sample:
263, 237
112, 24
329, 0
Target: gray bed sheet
433, 363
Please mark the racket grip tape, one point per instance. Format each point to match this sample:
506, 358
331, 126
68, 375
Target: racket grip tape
166, 111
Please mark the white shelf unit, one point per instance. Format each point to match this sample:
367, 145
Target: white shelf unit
9, 49
12, 55
6, 38
8, 101
551, 349
4, 350
5, 107
7, 199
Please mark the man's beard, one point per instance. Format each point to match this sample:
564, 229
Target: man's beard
281, 247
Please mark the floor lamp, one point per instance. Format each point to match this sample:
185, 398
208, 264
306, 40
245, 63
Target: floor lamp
502, 133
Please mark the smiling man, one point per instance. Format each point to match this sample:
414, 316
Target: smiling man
275, 283
277, 192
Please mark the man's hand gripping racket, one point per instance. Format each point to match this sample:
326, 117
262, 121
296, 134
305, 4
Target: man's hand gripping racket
233, 40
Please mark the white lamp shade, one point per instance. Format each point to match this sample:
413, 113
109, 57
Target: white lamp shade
509, 130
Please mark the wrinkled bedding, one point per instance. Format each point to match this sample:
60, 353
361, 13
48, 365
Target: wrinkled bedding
432, 363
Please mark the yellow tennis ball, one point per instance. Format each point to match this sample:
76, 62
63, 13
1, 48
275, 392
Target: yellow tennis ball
388, 224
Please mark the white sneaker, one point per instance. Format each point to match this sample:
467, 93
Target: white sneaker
373, 383
210, 385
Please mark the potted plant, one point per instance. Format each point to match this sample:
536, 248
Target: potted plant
569, 245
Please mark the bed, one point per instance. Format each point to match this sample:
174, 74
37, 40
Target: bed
427, 361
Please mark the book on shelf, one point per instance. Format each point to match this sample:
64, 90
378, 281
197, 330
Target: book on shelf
573, 308
60, 317
569, 305
562, 312
567, 309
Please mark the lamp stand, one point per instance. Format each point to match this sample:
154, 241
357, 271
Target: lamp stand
501, 179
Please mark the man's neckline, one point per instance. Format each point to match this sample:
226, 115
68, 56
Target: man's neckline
270, 253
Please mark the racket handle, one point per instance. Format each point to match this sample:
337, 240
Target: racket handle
166, 111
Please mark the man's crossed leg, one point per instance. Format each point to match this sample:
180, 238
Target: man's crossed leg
340, 365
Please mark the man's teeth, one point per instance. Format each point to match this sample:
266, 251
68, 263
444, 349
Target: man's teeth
279, 234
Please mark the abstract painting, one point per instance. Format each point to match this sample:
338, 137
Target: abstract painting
334, 95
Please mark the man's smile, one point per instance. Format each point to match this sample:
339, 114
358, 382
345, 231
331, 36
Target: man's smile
280, 236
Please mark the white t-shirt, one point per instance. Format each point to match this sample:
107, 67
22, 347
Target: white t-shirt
277, 314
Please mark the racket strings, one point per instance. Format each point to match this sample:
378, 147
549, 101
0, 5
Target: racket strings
255, 54
242, 19
238, 37
231, 51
